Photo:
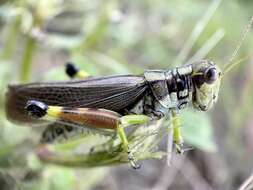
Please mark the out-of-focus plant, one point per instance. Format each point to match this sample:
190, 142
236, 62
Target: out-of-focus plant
26, 17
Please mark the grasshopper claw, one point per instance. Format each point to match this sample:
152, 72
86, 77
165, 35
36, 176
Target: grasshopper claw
180, 148
132, 161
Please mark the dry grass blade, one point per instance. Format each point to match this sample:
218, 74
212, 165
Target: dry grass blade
198, 29
247, 184
207, 47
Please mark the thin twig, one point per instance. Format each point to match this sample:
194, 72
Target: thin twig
168, 175
247, 184
193, 176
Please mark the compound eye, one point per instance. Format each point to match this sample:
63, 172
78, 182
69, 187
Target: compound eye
210, 75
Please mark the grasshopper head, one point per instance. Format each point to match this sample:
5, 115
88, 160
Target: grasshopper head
206, 79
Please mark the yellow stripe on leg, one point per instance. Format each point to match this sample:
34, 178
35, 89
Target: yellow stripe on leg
75, 72
40, 110
82, 74
54, 111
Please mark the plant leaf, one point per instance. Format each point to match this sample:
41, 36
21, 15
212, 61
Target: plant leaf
197, 130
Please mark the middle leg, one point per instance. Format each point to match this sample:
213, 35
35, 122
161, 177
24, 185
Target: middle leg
73, 72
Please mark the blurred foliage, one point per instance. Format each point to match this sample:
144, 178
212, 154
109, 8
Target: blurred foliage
117, 37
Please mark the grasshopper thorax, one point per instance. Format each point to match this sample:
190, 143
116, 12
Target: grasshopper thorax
206, 78
197, 84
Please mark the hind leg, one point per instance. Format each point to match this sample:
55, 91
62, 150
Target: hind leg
96, 118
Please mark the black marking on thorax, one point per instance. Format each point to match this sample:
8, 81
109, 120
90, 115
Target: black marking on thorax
172, 88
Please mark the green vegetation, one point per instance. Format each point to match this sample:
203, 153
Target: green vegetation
118, 37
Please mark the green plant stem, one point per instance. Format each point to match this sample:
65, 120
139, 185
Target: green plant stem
11, 38
27, 59
97, 33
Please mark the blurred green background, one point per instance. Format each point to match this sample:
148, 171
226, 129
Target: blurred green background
116, 37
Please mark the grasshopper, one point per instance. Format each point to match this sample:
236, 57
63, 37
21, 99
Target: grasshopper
110, 104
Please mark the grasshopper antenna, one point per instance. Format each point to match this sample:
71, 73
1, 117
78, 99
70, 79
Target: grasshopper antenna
230, 64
